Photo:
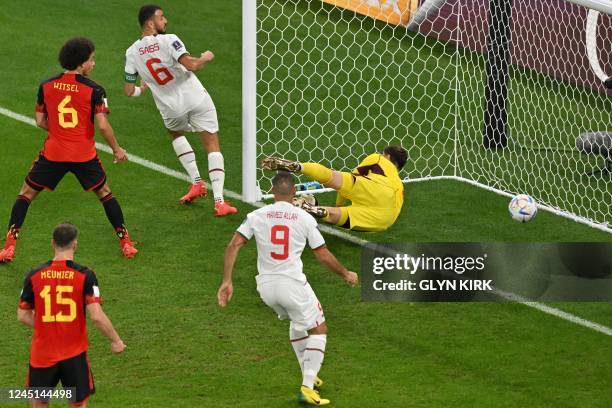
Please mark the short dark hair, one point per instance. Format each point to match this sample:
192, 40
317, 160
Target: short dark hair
75, 52
146, 12
64, 235
283, 183
398, 155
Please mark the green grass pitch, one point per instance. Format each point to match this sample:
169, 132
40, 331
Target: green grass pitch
183, 351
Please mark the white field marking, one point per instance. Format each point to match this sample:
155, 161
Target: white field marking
332, 231
602, 227
554, 312
605, 227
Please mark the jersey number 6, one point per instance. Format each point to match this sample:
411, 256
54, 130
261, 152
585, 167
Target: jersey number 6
63, 110
155, 72
283, 240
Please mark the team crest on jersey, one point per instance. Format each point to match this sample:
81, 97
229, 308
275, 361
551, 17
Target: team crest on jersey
177, 45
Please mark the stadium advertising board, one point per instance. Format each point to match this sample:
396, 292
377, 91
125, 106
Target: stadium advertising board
396, 12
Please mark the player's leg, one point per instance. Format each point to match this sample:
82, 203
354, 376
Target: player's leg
76, 373
42, 175
338, 180
203, 119
92, 177
114, 213
47, 377
185, 154
298, 339
314, 352
331, 215
16, 220
307, 321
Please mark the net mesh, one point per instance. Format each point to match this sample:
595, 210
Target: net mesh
335, 84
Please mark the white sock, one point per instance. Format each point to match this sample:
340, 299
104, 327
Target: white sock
186, 156
313, 358
298, 342
216, 173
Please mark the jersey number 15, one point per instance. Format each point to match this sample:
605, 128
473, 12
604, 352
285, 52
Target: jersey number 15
48, 315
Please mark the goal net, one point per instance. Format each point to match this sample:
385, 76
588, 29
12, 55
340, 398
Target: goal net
490, 92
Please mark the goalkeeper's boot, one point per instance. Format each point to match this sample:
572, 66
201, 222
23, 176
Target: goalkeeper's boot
196, 191
276, 163
310, 396
224, 208
8, 252
318, 383
125, 243
317, 212
304, 199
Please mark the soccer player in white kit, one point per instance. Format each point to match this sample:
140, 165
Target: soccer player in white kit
281, 232
167, 69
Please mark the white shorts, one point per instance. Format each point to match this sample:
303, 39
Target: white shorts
202, 118
294, 300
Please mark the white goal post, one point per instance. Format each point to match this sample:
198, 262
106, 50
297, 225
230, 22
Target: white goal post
493, 93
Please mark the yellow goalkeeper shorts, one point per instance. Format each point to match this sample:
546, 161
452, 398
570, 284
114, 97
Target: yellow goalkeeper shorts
373, 203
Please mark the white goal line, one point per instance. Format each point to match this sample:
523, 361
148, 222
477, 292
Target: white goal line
599, 226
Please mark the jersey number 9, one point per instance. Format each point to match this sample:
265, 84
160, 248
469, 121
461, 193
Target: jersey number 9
279, 235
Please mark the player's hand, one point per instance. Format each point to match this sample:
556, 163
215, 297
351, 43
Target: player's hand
207, 56
120, 155
351, 278
118, 346
226, 290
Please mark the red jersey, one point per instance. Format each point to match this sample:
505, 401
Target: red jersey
59, 291
70, 102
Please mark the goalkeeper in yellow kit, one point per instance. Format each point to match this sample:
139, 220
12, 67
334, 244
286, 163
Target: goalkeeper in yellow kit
374, 188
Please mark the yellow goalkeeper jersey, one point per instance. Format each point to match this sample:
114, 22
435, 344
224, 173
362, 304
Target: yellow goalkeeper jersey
383, 176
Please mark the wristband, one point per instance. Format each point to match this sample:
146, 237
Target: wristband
137, 91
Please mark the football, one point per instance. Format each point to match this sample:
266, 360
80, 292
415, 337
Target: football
523, 208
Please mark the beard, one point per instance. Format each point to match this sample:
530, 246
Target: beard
160, 30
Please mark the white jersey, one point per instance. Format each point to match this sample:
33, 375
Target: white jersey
281, 232
155, 58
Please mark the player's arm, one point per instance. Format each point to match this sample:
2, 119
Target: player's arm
41, 120
103, 323
326, 258
107, 132
41, 110
130, 89
25, 310
195, 64
226, 289
26, 316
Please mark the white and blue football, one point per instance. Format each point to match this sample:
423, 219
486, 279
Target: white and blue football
523, 208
